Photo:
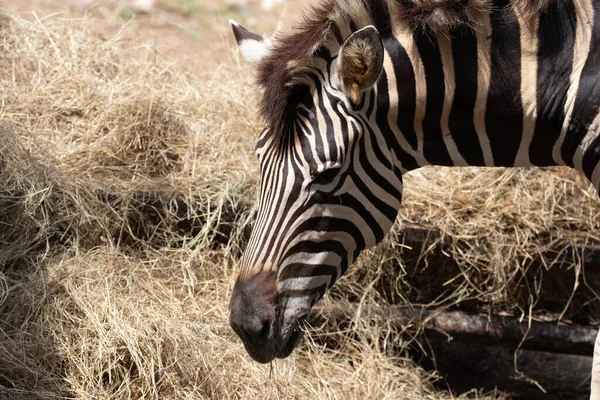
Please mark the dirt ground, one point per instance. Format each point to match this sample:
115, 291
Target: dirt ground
194, 34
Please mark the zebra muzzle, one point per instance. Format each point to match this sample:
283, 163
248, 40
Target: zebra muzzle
253, 314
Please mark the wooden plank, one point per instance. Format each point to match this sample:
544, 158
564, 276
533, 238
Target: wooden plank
550, 337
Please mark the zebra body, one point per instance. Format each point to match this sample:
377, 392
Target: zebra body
366, 90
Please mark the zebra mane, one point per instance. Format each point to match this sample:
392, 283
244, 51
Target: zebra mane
290, 53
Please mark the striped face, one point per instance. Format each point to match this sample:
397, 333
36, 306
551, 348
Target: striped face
329, 189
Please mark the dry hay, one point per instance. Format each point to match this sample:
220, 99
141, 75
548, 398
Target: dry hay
97, 303
100, 301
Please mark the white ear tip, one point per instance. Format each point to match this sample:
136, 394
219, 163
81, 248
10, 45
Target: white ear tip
369, 28
233, 22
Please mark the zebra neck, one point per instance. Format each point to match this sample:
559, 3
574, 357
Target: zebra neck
516, 91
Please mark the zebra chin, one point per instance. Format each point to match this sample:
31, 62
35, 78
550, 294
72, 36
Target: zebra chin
278, 349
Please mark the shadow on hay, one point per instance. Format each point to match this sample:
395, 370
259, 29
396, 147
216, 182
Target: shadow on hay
423, 266
49, 221
162, 219
30, 364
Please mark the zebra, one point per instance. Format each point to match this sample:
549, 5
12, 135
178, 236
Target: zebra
363, 91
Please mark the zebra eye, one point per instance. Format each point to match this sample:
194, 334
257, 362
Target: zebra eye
325, 177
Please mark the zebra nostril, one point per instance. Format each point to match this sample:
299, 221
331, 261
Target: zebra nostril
263, 336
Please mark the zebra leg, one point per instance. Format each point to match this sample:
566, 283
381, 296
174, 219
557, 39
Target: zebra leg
594, 176
595, 387
587, 161
595, 393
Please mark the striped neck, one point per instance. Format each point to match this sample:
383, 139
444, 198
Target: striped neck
517, 91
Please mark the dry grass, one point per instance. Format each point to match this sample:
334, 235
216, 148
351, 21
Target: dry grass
97, 301
510, 220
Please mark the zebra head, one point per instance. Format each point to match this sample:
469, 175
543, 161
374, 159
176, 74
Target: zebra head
329, 184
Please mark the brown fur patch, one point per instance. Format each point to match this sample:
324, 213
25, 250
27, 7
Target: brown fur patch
440, 16
274, 73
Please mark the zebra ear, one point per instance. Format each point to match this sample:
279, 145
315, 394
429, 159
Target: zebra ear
360, 62
252, 46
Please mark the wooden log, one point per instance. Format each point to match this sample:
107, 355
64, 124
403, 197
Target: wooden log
565, 252
550, 337
464, 366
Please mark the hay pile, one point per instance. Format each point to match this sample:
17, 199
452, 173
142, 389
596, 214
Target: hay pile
98, 300
511, 223
511, 232
101, 300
